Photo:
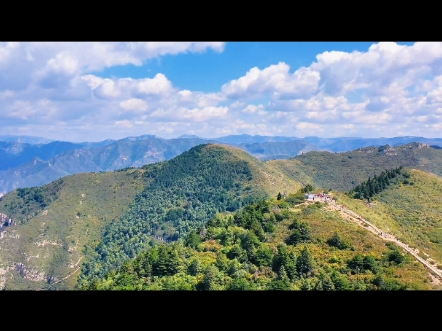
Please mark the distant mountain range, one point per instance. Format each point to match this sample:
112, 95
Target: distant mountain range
27, 161
345, 144
76, 159
26, 139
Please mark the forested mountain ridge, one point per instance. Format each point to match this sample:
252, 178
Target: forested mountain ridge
116, 155
27, 165
90, 210
186, 192
343, 171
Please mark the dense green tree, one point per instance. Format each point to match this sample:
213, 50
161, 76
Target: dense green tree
300, 233
281, 283
336, 241
212, 279
395, 257
195, 267
340, 282
264, 256
304, 263
356, 264
287, 259
222, 262
375, 185
369, 263
305, 284
240, 284
308, 188
324, 283
192, 239
167, 261
236, 252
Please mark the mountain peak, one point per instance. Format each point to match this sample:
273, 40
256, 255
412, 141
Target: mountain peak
189, 136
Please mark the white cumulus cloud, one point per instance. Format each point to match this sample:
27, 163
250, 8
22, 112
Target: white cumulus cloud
133, 104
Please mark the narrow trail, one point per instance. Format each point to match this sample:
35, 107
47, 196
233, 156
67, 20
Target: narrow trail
361, 221
69, 275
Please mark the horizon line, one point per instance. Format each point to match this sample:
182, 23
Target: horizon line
207, 138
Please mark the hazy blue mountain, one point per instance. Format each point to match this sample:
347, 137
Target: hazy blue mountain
24, 164
345, 144
248, 139
278, 150
143, 137
120, 154
26, 139
14, 153
190, 136
98, 143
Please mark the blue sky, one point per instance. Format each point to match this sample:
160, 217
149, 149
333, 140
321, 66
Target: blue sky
96, 91
190, 71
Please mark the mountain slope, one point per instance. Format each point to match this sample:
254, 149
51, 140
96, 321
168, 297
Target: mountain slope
345, 144
120, 154
248, 139
26, 139
122, 211
13, 154
272, 246
128, 152
56, 221
345, 170
99, 221
184, 194
410, 210
135, 151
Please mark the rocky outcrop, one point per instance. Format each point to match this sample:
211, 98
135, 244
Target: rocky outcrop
3, 274
29, 274
47, 242
5, 222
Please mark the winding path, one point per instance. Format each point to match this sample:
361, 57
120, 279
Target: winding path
73, 272
383, 234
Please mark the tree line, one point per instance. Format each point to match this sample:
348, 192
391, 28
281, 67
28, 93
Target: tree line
366, 190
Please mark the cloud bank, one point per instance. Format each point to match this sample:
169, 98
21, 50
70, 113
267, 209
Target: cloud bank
55, 90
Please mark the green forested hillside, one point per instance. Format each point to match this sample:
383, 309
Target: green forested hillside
82, 217
271, 246
184, 194
343, 171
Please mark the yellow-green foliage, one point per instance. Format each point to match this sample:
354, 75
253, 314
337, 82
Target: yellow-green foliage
234, 249
412, 212
266, 175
